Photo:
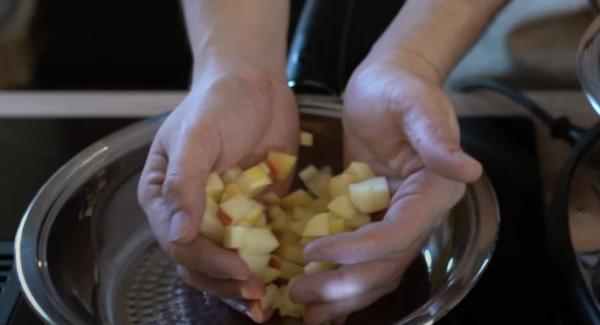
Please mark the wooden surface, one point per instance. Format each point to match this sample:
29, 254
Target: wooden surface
552, 153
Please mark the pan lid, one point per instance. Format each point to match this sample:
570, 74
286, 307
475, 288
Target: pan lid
588, 63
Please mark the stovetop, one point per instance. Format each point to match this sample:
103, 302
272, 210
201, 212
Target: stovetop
514, 289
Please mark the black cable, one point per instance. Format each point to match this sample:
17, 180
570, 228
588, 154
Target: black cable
560, 127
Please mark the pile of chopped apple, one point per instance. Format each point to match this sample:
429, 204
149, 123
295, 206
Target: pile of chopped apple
269, 232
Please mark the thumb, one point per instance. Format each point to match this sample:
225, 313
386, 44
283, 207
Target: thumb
190, 160
434, 135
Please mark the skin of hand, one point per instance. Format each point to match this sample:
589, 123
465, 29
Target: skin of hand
399, 121
229, 118
237, 109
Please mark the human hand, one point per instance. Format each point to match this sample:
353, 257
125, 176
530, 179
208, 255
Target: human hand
232, 116
402, 124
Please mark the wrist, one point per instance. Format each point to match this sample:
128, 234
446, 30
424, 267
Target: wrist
406, 59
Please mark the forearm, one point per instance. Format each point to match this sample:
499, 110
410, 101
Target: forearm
252, 32
432, 35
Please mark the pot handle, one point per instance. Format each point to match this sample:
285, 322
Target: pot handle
315, 62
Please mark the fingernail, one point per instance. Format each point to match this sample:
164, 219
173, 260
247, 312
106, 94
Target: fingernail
179, 226
252, 291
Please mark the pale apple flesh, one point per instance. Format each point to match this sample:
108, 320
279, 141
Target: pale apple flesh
269, 231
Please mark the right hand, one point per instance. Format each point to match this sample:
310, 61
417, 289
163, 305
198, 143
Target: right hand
232, 116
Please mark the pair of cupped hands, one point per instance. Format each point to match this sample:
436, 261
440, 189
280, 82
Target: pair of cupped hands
395, 118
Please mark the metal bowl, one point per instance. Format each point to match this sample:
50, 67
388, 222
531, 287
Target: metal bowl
85, 253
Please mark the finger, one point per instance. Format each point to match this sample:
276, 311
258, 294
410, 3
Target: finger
253, 288
432, 130
321, 313
416, 208
348, 281
191, 159
205, 257
251, 308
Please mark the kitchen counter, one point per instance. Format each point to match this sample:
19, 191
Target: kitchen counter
552, 152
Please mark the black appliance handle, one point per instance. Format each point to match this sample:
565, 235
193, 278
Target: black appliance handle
315, 62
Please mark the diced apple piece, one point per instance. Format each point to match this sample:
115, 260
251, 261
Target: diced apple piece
317, 226
358, 221
211, 227
256, 263
214, 186
319, 183
305, 240
292, 253
230, 191
306, 139
336, 225
280, 222
338, 184
240, 207
288, 237
308, 173
286, 306
280, 164
258, 241
245, 223
298, 198
342, 206
361, 170
301, 214
290, 270
255, 179
271, 274
271, 198
234, 236
270, 298
262, 221
231, 175
298, 226
275, 262
371, 195
314, 267
318, 206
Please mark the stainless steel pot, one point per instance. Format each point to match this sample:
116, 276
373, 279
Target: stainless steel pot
85, 253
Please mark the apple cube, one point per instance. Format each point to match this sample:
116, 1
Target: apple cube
342, 206
245, 223
300, 214
280, 164
271, 274
231, 175
276, 262
319, 183
234, 236
305, 240
230, 191
290, 270
280, 222
338, 184
286, 306
361, 170
262, 221
258, 241
255, 179
358, 221
288, 237
314, 267
297, 227
298, 198
214, 186
292, 253
270, 298
371, 195
240, 207
211, 227
308, 173
317, 226
272, 198
318, 206
306, 139
256, 263
336, 225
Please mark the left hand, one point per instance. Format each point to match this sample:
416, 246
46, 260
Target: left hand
402, 124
